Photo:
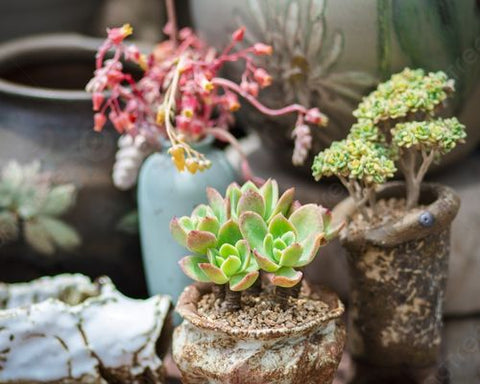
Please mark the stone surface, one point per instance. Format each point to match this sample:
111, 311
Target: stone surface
67, 329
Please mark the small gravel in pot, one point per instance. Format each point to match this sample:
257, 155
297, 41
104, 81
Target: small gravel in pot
262, 311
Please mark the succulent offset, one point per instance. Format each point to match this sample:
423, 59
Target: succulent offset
252, 228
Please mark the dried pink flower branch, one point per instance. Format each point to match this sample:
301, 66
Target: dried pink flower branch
181, 97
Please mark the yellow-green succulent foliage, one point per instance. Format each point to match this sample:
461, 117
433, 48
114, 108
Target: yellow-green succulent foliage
397, 125
249, 230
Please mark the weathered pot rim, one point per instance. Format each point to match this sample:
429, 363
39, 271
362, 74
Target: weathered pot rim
187, 308
441, 201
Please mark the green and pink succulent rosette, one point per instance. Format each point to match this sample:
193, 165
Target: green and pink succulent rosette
251, 229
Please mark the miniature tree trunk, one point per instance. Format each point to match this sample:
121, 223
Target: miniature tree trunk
232, 300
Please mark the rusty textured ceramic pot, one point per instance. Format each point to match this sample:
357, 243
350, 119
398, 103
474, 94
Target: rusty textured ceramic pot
208, 352
398, 280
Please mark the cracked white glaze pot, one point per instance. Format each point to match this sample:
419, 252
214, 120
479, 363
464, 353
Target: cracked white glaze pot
67, 329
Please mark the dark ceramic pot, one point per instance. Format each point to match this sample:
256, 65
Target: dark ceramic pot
398, 280
210, 352
29, 17
46, 115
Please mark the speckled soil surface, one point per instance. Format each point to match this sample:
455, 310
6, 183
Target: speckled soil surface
262, 311
385, 211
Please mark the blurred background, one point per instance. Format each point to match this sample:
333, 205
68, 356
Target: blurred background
327, 54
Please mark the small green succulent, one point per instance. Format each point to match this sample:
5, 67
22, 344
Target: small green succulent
30, 207
285, 244
252, 228
212, 233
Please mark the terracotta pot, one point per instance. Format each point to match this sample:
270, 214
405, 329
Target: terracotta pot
208, 352
398, 279
46, 115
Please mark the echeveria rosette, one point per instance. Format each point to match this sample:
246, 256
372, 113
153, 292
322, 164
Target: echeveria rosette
265, 201
286, 244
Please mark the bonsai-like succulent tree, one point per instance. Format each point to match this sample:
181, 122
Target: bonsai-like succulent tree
31, 206
398, 123
251, 230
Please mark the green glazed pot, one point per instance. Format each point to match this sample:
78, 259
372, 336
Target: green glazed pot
163, 193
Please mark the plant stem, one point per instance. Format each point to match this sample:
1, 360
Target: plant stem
232, 300
252, 100
256, 288
219, 291
283, 294
172, 20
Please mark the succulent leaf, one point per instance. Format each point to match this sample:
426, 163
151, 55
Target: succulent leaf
243, 281
251, 201
199, 241
291, 255
265, 262
307, 219
285, 277
177, 231
217, 204
269, 191
190, 266
310, 245
231, 265
229, 233
214, 274
209, 224
253, 229
279, 226
284, 203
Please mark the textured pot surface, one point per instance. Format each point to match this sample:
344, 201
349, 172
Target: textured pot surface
398, 281
163, 193
208, 352
46, 115
321, 58
47, 16
68, 329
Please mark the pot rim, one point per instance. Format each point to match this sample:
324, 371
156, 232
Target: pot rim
187, 308
444, 208
50, 42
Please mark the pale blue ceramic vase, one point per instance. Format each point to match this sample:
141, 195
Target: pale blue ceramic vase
163, 193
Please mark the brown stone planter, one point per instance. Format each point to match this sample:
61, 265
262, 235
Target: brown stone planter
208, 352
398, 280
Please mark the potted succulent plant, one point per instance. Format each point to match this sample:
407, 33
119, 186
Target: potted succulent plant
252, 324
398, 234
175, 108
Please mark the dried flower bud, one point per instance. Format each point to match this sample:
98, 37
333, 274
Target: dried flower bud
262, 77
192, 165
117, 35
97, 100
231, 101
314, 116
262, 49
238, 34
99, 121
